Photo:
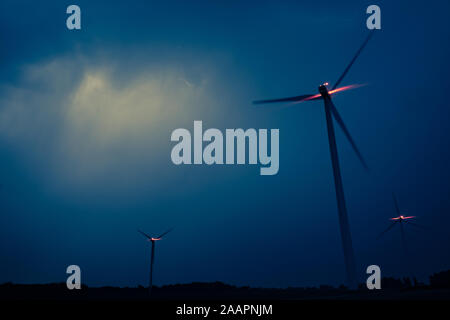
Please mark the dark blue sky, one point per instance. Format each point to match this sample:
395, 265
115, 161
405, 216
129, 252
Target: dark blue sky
86, 118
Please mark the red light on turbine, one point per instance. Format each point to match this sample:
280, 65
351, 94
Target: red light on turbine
312, 97
402, 218
352, 86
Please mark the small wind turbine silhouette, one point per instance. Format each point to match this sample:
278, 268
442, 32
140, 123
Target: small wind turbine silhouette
331, 112
400, 220
153, 240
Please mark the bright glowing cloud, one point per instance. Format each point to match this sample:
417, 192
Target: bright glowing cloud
85, 122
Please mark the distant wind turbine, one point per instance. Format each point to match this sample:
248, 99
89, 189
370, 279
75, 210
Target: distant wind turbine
330, 112
400, 220
153, 240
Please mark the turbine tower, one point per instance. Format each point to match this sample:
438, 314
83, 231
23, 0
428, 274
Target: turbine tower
152, 259
330, 112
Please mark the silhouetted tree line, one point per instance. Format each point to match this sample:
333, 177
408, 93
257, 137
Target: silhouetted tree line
440, 279
392, 288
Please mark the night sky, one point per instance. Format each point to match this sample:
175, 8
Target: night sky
86, 118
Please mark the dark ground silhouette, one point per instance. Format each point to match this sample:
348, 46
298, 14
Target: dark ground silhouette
392, 289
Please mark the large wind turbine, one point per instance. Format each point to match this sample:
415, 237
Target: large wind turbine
152, 240
330, 111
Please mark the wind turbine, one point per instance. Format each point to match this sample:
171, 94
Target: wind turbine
153, 240
400, 220
330, 111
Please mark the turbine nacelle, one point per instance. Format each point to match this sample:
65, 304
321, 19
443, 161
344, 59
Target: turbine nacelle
323, 90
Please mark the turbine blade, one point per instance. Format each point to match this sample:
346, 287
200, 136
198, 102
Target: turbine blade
389, 228
347, 134
397, 209
144, 234
354, 59
160, 236
289, 99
